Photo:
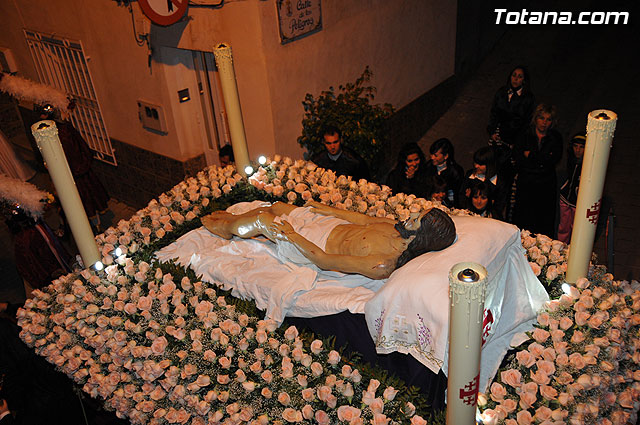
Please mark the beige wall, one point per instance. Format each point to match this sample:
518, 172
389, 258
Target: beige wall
409, 45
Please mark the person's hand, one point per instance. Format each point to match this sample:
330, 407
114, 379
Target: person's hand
4, 407
409, 172
282, 230
526, 154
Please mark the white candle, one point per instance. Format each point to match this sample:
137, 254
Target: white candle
600, 127
46, 135
467, 290
224, 61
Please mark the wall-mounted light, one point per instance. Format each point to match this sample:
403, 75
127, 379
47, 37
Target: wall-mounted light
183, 95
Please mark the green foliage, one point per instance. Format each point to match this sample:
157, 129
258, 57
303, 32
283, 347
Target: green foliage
361, 122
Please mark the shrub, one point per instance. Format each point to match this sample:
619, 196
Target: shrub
362, 123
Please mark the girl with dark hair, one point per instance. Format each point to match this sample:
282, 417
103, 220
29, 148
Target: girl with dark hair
537, 152
569, 189
439, 190
409, 175
512, 107
480, 199
443, 164
510, 115
484, 170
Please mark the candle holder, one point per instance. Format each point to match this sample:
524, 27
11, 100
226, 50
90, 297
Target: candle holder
46, 135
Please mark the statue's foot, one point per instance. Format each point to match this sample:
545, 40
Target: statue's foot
217, 224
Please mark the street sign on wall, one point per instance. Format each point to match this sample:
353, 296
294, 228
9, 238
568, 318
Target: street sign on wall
298, 18
164, 12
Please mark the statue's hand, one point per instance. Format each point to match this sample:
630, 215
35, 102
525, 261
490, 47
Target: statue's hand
282, 230
319, 208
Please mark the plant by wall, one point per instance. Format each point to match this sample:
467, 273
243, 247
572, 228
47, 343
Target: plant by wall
352, 110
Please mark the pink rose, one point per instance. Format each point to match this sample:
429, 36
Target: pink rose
543, 318
548, 392
316, 346
266, 393
525, 358
417, 420
379, 419
377, 405
348, 413
509, 405
323, 392
390, 393
307, 412
511, 377
543, 413
316, 369
540, 335
334, 357
322, 418
581, 318
308, 394
159, 345
498, 392
527, 400
536, 349
539, 377
524, 417
576, 360
546, 367
292, 415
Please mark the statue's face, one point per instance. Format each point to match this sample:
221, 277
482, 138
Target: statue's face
413, 222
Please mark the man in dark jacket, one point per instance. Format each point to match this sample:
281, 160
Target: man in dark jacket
339, 158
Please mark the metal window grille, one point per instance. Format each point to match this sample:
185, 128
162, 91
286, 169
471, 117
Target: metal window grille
61, 63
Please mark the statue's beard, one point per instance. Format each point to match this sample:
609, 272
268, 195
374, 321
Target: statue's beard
404, 232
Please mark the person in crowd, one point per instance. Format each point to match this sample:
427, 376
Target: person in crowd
339, 158
226, 156
11, 164
512, 108
480, 198
410, 173
443, 164
569, 189
536, 153
39, 255
339, 240
484, 170
439, 191
79, 156
510, 115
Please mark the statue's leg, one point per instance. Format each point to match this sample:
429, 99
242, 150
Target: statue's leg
252, 223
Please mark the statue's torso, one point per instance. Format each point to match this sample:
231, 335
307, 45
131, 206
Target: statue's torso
363, 240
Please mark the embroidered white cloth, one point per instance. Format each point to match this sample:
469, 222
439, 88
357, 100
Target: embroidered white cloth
409, 313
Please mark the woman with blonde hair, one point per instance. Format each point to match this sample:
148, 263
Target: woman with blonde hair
536, 153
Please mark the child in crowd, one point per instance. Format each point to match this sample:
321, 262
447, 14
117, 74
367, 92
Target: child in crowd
480, 199
439, 190
483, 170
569, 189
443, 164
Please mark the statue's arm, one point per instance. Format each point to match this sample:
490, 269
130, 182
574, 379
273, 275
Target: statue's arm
350, 216
371, 266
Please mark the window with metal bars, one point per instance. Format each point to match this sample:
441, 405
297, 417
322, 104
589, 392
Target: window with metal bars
61, 63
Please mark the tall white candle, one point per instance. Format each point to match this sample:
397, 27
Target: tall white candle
467, 291
46, 135
224, 61
601, 125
